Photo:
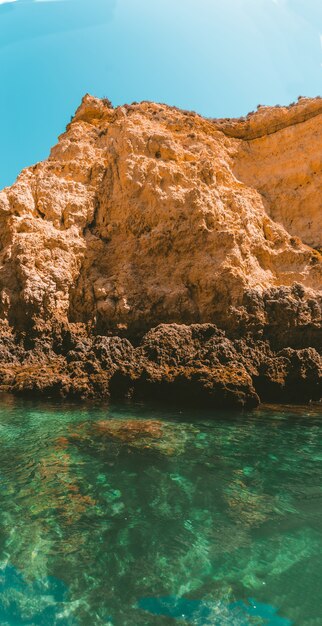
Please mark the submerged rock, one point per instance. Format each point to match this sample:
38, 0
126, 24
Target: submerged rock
129, 431
38, 603
155, 435
202, 612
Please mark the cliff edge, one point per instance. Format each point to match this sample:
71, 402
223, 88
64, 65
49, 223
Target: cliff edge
159, 251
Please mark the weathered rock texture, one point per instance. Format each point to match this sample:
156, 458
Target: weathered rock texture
148, 217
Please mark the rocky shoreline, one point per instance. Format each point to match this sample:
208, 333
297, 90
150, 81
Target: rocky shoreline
158, 254
268, 359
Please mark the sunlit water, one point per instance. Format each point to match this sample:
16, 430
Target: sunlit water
191, 518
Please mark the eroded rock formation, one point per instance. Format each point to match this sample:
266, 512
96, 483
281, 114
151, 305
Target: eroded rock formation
158, 252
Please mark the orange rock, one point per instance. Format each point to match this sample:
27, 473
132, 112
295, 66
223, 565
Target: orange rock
195, 242
148, 214
62, 442
129, 430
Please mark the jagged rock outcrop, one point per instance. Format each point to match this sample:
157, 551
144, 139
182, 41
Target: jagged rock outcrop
146, 216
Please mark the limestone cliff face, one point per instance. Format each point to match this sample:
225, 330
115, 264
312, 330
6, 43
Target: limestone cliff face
281, 157
146, 214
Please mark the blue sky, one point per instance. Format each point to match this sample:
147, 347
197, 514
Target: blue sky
218, 57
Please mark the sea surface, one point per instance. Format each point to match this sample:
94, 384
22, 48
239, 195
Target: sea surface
138, 515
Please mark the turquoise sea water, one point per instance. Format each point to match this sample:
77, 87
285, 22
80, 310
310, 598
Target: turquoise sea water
134, 515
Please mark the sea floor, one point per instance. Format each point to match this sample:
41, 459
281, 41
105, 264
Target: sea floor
136, 515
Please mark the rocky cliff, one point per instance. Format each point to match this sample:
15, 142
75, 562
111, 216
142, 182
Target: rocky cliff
158, 251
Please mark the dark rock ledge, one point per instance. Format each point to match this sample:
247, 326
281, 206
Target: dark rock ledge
195, 364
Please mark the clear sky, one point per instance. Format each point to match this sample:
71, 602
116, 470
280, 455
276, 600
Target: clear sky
218, 57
